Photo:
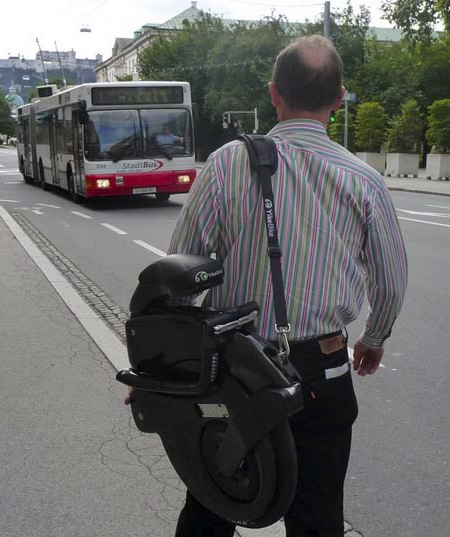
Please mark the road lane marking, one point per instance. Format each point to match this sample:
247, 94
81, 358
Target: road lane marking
10, 201
439, 206
114, 228
82, 215
423, 222
10, 171
151, 248
13, 183
48, 205
36, 211
421, 213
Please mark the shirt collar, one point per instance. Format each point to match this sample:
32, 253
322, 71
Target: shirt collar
292, 127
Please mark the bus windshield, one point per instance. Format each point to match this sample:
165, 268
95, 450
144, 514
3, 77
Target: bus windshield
146, 133
111, 135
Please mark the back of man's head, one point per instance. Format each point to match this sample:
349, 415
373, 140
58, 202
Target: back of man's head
308, 73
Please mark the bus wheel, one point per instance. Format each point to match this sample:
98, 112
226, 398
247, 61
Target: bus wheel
162, 196
71, 186
44, 185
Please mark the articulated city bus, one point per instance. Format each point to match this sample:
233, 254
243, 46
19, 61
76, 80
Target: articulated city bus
109, 139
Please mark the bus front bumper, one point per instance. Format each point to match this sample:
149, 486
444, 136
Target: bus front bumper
125, 184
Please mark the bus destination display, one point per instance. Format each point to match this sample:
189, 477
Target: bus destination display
106, 96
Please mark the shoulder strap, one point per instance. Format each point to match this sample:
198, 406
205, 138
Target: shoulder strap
264, 161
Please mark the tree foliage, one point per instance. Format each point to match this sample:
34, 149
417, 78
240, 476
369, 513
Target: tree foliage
405, 130
438, 132
6, 121
229, 67
416, 18
370, 126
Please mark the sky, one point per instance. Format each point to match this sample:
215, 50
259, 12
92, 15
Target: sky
60, 21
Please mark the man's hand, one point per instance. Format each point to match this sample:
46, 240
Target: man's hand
129, 396
366, 360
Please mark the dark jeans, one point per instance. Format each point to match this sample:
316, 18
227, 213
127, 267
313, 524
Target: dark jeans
322, 433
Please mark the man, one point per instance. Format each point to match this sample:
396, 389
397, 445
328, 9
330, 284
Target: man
168, 138
339, 236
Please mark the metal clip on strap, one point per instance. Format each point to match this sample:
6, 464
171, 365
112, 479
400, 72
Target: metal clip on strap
283, 342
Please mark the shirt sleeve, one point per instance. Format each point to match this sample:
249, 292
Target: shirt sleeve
197, 228
385, 263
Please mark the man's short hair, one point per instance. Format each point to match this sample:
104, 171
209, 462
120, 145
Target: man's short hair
308, 73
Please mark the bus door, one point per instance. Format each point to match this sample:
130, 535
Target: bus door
25, 127
33, 141
78, 152
53, 149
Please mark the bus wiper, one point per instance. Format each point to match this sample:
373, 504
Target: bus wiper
124, 148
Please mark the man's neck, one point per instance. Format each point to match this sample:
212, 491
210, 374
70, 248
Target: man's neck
322, 116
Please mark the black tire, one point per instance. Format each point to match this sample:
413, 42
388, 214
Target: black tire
45, 186
71, 187
162, 196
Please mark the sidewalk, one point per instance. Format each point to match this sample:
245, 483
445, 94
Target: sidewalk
419, 184
73, 463
70, 452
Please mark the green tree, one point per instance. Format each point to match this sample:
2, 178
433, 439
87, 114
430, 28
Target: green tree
438, 132
227, 67
417, 18
405, 130
7, 125
370, 126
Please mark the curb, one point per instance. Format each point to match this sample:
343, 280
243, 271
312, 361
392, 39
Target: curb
416, 191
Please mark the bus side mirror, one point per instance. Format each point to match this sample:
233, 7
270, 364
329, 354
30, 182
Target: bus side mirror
83, 116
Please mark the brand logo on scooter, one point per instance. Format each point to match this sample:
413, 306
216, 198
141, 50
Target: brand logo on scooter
203, 276
267, 204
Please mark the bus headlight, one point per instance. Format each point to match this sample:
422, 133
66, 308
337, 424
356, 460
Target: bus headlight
102, 183
183, 179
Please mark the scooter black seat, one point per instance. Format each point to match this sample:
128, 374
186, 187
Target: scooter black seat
175, 276
217, 394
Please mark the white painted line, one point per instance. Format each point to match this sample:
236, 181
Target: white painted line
82, 215
439, 206
10, 171
419, 213
10, 201
114, 228
13, 182
48, 205
111, 346
151, 248
423, 221
36, 211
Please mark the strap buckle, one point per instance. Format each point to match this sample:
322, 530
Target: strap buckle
283, 342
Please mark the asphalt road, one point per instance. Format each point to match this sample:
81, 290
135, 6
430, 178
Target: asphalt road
399, 477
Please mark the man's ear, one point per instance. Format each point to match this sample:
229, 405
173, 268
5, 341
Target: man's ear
338, 101
274, 94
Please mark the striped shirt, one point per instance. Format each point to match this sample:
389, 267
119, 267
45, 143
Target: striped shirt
337, 227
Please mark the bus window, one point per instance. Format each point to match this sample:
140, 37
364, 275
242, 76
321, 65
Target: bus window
156, 123
111, 135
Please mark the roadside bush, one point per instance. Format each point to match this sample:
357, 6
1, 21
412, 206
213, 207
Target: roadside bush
438, 132
405, 129
370, 127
